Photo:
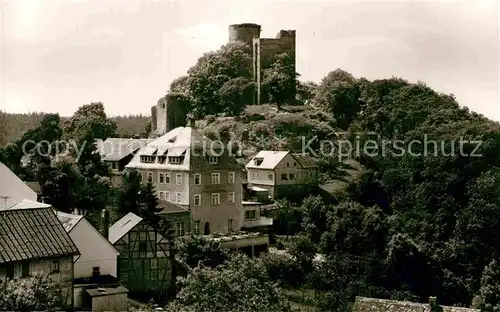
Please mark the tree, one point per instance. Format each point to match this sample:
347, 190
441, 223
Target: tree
211, 72
339, 93
488, 296
179, 85
195, 250
241, 284
90, 122
235, 94
129, 193
279, 80
37, 293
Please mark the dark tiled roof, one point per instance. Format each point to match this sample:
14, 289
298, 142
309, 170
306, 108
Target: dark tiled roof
169, 207
381, 305
305, 160
32, 234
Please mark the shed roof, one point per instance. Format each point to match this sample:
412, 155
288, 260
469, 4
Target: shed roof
362, 304
169, 207
35, 233
305, 160
68, 220
106, 291
123, 226
29, 204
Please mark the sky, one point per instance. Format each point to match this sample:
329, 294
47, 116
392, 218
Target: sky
59, 55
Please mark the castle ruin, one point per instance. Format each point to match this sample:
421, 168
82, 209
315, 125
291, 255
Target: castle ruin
169, 113
264, 49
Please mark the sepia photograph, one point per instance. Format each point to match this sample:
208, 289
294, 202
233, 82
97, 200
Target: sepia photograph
250, 155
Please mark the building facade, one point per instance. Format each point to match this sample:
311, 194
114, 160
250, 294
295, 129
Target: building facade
12, 189
282, 173
33, 240
264, 49
144, 266
97, 255
186, 168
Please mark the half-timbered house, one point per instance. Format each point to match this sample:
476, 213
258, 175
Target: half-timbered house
143, 264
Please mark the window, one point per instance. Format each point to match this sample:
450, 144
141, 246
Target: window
163, 195
288, 164
295, 164
178, 179
197, 179
161, 178
230, 197
258, 161
230, 178
56, 266
150, 177
270, 176
114, 165
284, 176
96, 271
196, 227
250, 214
148, 159
215, 198
180, 228
215, 178
18, 270
229, 225
162, 159
167, 178
213, 160
178, 197
174, 160
142, 246
197, 200
167, 196
292, 176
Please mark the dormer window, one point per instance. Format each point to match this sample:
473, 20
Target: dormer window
147, 159
174, 160
162, 159
172, 140
213, 160
258, 161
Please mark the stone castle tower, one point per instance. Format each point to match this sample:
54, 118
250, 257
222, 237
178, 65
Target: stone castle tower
264, 49
169, 113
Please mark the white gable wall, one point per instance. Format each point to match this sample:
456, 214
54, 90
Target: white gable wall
95, 250
13, 188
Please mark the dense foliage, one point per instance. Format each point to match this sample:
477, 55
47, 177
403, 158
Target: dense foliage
37, 293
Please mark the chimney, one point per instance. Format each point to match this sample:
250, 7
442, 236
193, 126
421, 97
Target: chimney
190, 121
105, 223
433, 306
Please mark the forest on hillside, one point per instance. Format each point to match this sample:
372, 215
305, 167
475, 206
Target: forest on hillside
411, 227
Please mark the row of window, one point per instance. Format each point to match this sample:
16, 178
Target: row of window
206, 230
215, 198
164, 178
25, 269
174, 160
284, 176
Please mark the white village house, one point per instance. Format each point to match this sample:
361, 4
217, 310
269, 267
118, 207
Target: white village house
12, 189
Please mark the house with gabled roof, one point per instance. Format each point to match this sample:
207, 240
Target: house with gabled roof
33, 240
13, 189
362, 304
143, 264
117, 153
283, 173
192, 171
97, 255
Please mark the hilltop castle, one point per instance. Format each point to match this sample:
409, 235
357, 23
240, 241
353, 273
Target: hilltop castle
167, 114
